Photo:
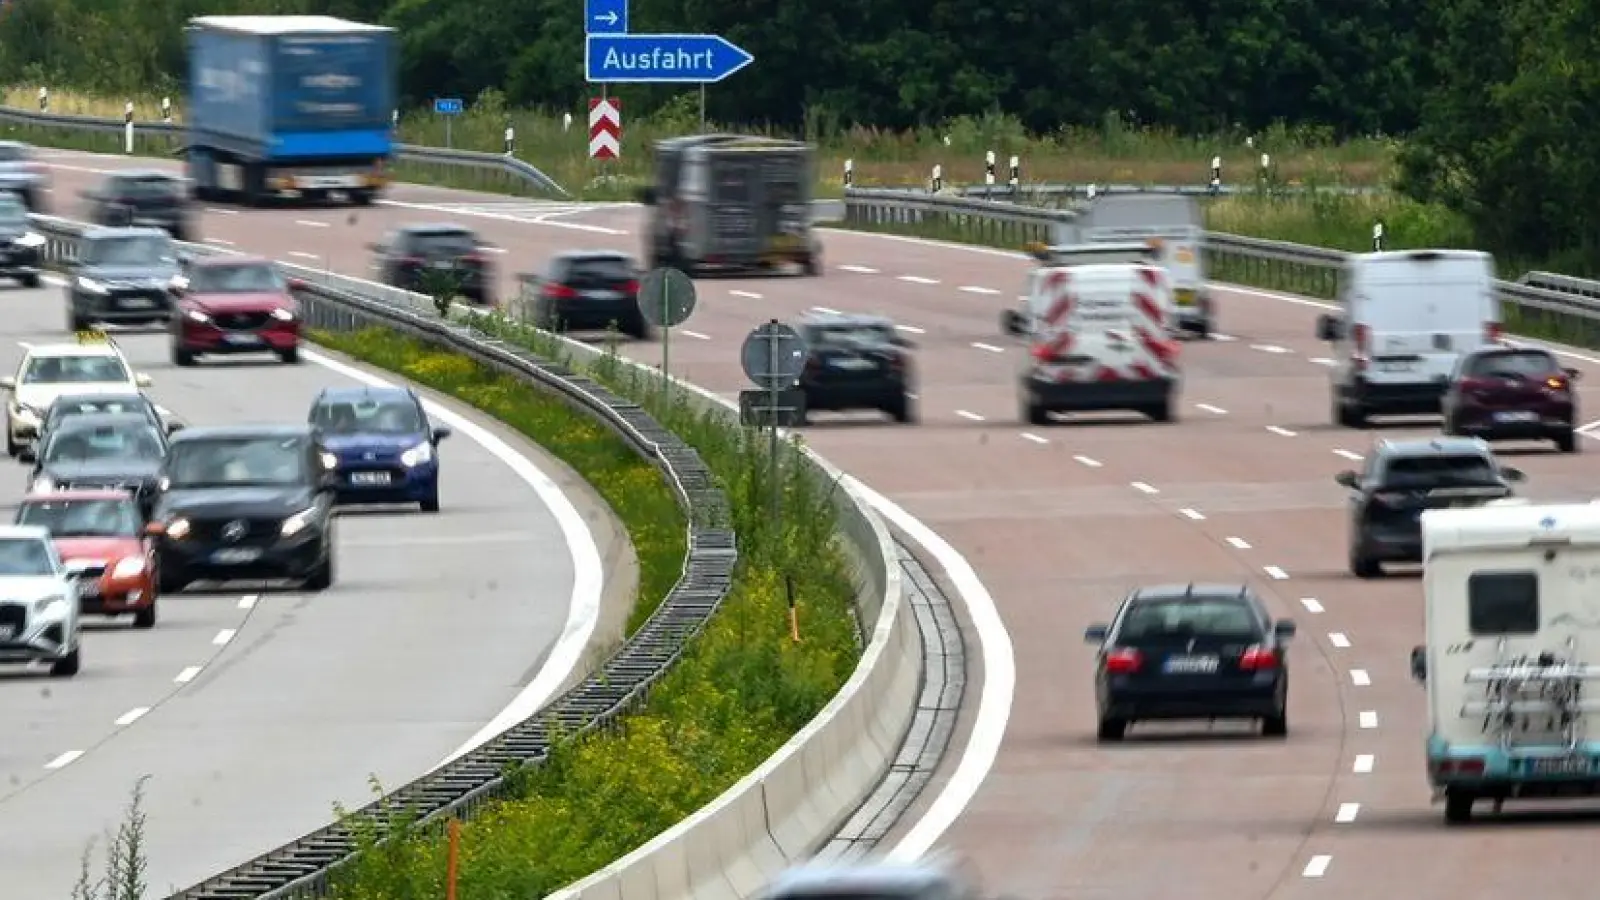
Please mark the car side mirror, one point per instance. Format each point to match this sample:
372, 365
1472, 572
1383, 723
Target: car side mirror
1573, 374
154, 529
440, 432
1284, 630
1511, 474
1419, 663
906, 343
1330, 327
1347, 479
1096, 634
142, 380
8, 383
174, 427
647, 196
297, 284
1011, 322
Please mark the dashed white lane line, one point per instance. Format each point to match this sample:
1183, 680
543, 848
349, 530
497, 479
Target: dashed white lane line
1347, 813
1368, 719
64, 760
1142, 487
219, 211
248, 600
1089, 461
224, 636
1350, 455
1030, 436
1281, 432
1311, 605
748, 295
1214, 410
303, 255
1194, 514
132, 715
918, 279
1324, 361
1270, 348
978, 290
910, 329
219, 242
979, 345
1360, 678
310, 224
1238, 543
495, 250
863, 270
1339, 639
826, 310
1363, 764
697, 335
187, 675
1225, 338
1317, 866
969, 416
1275, 573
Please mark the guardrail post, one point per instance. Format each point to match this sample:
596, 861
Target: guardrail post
849, 173
127, 128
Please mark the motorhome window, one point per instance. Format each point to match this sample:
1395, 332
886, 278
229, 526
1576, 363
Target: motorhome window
1180, 620
1513, 364
1440, 471
1503, 603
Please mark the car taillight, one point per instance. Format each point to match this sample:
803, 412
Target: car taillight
1123, 661
1455, 767
559, 292
1492, 332
1258, 659
474, 258
1362, 335
630, 287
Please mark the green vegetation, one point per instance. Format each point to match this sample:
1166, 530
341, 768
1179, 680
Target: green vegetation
125, 865
741, 690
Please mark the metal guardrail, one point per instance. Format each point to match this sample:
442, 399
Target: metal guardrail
302, 869
1057, 192
510, 167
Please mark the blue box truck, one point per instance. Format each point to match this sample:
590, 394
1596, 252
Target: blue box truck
296, 105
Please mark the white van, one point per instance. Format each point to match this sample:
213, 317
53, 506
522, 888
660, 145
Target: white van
1406, 318
1512, 620
1173, 226
1097, 339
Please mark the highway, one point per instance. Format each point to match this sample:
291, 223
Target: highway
252, 710
1058, 523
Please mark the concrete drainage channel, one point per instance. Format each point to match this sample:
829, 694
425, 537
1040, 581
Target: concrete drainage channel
839, 785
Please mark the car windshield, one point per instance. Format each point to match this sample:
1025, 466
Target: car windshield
131, 250
257, 278
145, 188
1517, 364
444, 243
82, 518
848, 335
13, 153
1180, 620
390, 416
1441, 471
103, 443
237, 462
12, 212
74, 370
25, 558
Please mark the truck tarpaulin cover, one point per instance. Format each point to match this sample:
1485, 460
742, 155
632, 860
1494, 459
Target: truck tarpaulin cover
329, 82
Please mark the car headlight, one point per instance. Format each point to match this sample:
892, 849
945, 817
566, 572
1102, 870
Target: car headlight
330, 462
283, 315
31, 239
128, 568
298, 522
90, 285
28, 413
52, 606
418, 455
177, 529
43, 483
195, 315
178, 283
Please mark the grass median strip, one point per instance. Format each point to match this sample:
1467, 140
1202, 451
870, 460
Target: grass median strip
741, 690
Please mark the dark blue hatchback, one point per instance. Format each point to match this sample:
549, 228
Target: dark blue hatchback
385, 448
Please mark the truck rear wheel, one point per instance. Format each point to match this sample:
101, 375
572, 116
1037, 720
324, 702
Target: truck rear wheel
1458, 806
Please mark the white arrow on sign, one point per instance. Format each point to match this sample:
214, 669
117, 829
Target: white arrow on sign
609, 18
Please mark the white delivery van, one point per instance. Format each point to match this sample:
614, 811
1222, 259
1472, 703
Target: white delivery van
1097, 338
1173, 226
1512, 619
1406, 317
1065, 255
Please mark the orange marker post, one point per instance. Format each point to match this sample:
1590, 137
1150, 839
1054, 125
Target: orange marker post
453, 861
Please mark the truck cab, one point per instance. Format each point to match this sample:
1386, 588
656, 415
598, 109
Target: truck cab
731, 203
1172, 225
1512, 632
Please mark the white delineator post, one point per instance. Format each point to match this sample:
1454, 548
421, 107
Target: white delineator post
166, 110
1016, 172
988, 169
849, 173
44, 99
127, 128
938, 179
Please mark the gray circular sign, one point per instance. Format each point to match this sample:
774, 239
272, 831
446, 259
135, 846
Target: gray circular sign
666, 298
773, 355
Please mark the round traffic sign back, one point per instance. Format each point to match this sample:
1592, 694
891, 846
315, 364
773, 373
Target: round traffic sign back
773, 355
666, 298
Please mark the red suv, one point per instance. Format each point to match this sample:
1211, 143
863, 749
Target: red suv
1512, 393
232, 304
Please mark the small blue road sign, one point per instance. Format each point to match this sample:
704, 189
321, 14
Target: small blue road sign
605, 16
656, 58
448, 107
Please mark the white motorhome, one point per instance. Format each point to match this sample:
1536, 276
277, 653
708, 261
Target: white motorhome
1097, 338
1512, 618
1406, 317
1173, 226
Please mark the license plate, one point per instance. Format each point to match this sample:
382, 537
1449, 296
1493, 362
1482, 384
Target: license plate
1516, 417
853, 365
88, 589
1190, 665
136, 303
442, 264
1185, 298
242, 340
1567, 765
1395, 365
369, 477
602, 295
236, 555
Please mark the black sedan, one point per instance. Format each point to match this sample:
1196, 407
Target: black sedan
856, 362
119, 451
1191, 651
21, 248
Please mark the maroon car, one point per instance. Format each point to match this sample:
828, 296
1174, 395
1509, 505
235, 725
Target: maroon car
231, 304
1512, 393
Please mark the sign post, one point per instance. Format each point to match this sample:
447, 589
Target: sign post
773, 355
666, 300
449, 107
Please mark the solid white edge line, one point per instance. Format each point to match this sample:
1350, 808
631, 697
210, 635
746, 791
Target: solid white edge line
583, 610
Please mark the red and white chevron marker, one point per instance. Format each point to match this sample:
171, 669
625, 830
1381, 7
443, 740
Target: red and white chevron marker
605, 128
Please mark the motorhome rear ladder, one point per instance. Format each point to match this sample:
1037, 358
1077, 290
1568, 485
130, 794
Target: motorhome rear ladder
1519, 691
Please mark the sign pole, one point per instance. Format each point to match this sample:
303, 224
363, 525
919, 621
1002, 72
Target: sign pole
774, 338
449, 133
666, 348
702, 107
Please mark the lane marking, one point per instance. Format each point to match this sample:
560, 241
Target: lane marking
918, 279
1030, 436
541, 219
1214, 410
1339, 639
224, 636
826, 311
1347, 813
864, 270
248, 601
971, 289
1350, 455
1311, 605
302, 255
969, 416
749, 295
310, 224
1224, 338
219, 242
187, 675
1363, 763
64, 760
1275, 573
1192, 514
1270, 348
1142, 487
1369, 718
214, 210
694, 334
1238, 543
132, 715
979, 345
1281, 432
1360, 678
495, 250
910, 329
1324, 361
1317, 866
1088, 461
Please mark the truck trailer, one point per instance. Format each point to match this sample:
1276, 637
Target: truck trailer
289, 105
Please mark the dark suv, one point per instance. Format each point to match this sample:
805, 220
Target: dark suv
1191, 651
1405, 477
405, 258
588, 290
1512, 393
246, 502
856, 362
123, 276
149, 199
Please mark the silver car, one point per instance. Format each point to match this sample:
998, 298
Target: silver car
22, 174
878, 881
38, 602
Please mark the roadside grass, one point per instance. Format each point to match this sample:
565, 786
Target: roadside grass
739, 691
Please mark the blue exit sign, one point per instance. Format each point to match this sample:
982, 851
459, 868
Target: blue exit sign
449, 107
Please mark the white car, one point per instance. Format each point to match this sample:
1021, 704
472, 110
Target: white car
38, 602
93, 365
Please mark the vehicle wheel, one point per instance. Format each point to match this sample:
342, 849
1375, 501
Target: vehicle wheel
322, 576
67, 666
290, 356
12, 448
181, 356
1161, 412
76, 322
1112, 729
1364, 566
1457, 806
812, 267
1276, 725
903, 410
431, 504
30, 280
1567, 441
1034, 414
145, 618
361, 198
639, 329
170, 582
